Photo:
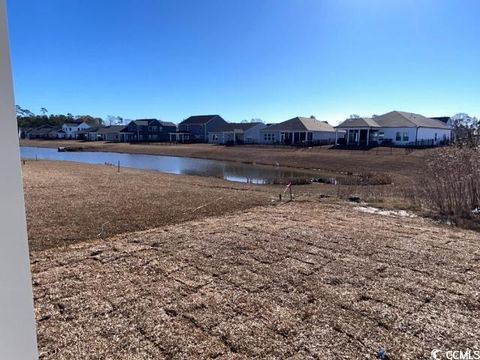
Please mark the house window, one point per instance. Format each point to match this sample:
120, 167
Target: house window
381, 135
398, 136
405, 136
269, 137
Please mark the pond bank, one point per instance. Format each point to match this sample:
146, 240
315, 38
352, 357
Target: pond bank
227, 170
329, 162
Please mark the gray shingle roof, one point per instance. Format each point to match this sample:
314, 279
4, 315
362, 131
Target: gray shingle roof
146, 122
395, 119
301, 124
406, 119
143, 122
358, 122
198, 119
167, 123
113, 129
44, 130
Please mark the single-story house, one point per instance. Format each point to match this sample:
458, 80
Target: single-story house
395, 128
236, 133
46, 132
90, 134
199, 126
112, 133
298, 131
71, 129
148, 130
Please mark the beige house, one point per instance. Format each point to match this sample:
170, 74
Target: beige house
299, 131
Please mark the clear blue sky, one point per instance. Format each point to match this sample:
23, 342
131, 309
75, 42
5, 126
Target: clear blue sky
242, 59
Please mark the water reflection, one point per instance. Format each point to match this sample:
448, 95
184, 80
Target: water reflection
231, 171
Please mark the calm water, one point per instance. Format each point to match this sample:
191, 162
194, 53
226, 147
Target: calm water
227, 170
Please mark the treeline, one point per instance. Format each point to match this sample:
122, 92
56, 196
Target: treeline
26, 118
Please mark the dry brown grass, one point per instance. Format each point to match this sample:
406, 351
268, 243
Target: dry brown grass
301, 280
394, 161
68, 202
71, 202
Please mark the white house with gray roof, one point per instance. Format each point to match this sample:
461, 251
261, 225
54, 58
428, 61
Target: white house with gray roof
395, 128
71, 129
299, 131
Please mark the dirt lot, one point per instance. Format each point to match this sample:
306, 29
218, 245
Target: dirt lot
68, 202
299, 280
395, 161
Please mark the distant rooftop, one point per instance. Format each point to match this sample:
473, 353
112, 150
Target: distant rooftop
198, 119
146, 122
302, 124
395, 119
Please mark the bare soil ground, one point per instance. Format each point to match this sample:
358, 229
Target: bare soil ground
395, 161
304, 280
69, 202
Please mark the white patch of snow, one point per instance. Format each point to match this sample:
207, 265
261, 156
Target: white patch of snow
374, 210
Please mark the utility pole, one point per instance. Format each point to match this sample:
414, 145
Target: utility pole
17, 324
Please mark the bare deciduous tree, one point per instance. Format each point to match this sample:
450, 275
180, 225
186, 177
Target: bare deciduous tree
466, 129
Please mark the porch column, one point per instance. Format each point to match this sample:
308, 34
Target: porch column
336, 137
348, 136
358, 137
368, 136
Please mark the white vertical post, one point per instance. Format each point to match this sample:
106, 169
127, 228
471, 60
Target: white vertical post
368, 136
17, 322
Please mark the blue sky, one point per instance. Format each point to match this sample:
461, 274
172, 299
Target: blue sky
243, 59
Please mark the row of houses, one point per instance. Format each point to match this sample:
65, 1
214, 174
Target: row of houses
393, 128
397, 128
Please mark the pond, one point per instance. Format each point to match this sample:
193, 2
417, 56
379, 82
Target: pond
228, 170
